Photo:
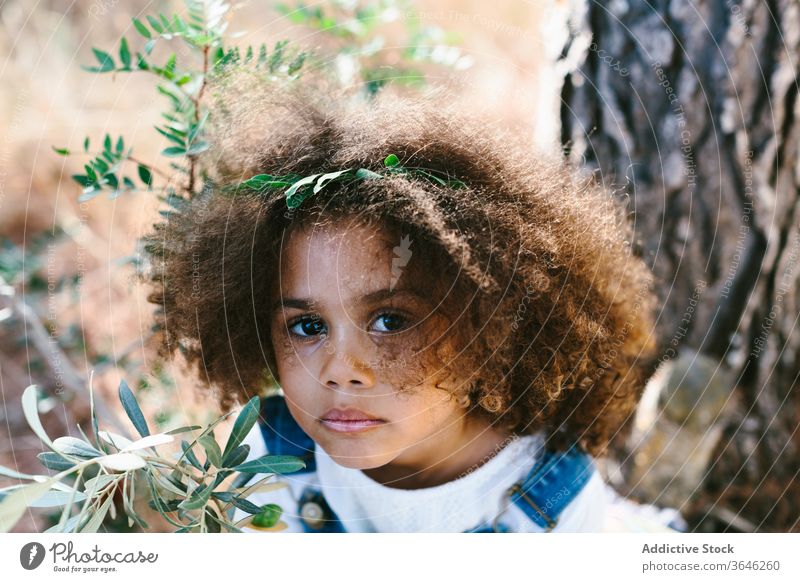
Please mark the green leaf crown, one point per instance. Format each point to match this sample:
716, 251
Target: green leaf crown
298, 188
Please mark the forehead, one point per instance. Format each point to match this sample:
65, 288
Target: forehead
346, 258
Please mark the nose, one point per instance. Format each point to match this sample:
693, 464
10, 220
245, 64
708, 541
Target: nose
345, 365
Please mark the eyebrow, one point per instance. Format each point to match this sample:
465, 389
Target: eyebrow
374, 297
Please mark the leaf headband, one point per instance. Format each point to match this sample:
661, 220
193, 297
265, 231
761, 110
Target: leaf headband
298, 188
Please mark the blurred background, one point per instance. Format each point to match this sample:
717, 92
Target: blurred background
687, 111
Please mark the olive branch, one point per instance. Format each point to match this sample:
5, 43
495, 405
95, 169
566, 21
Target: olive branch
298, 188
190, 495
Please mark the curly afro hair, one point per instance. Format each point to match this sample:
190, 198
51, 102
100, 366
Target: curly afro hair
550, 306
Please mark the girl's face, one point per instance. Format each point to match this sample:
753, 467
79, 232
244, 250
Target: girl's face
346, 326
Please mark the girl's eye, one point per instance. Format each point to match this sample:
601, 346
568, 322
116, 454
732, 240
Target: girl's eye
307, 327
390, 322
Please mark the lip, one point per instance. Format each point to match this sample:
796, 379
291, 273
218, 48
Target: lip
349, 420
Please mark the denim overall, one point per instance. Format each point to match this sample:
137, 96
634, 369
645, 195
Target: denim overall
553, 482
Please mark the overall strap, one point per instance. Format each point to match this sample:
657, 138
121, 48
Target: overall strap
552, 484
282, 435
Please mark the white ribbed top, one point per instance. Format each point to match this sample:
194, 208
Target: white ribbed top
364, 505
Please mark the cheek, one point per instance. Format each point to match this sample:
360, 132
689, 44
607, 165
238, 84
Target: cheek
424, 409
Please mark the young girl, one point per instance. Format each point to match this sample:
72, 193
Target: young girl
457, 325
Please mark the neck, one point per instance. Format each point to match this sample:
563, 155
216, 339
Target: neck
469, 447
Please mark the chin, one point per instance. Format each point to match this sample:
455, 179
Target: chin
352, 458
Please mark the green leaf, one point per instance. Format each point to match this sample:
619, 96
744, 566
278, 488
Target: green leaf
364, 174
54, 461
6, 472
211, 447
173, 152
54, 498
182, 429
155, 24
145, 175
167, 506
68, 526
169, 67
263, 182
107, 143
189, 453
86, 144
165, 23
131, 407
30, 409
14, 505
93, 414
241, 427
197, 147
106, 60
391, 161
170, 135
124, 53
97, 518
236, 456
95, 484
120, 145
74, 446
198, 498
100, 165
90, 173
117, 441
296, 64
212, 521
271, 464
153, 440
197, 127
325, 178
148, 46
141, 28
431, 177
61, 151
293, 190
246, 505
89, 193
122, 462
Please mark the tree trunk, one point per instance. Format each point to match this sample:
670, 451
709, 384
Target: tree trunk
690, 110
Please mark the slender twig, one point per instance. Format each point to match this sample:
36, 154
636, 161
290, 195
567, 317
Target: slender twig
57, 360
196, 100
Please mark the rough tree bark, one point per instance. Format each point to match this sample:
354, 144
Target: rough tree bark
690, 109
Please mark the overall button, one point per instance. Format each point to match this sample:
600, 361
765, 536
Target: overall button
312, 514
